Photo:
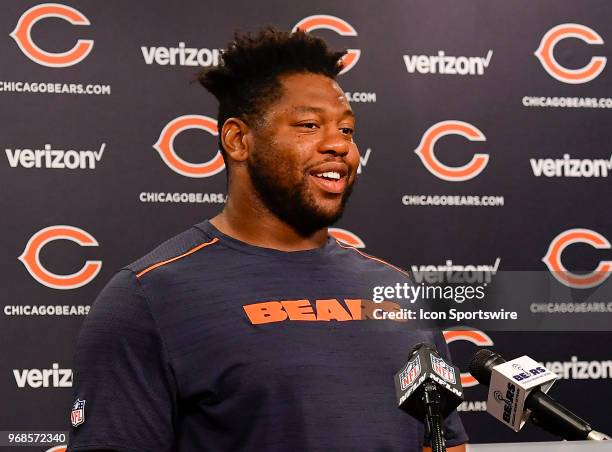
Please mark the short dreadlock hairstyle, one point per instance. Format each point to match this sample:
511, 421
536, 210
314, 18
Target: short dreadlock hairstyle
247, 80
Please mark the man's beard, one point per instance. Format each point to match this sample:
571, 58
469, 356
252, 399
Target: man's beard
296, 206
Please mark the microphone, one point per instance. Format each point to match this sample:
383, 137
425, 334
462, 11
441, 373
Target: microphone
429, 389
517, 390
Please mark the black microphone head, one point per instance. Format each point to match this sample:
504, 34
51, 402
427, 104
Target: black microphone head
482, 363
419, 346
425, 365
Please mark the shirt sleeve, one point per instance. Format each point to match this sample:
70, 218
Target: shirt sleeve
454, 432
125, 397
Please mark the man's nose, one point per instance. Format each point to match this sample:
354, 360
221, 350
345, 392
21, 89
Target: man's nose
335, 142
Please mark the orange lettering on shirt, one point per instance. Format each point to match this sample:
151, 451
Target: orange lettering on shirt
299, 310
331, 310
355, 307
266, 312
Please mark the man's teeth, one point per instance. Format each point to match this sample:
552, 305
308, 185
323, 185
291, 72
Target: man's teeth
330, 175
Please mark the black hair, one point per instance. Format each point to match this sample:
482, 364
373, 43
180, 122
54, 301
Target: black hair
247, 80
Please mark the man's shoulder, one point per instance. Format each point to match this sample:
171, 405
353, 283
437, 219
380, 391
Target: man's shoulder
368, 262
128, 298
172, 250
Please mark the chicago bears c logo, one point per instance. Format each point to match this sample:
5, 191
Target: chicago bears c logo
342, 27
565, 277
31, 257
346, 237
476, 337
165, 146
425, 151
545, 53
22, 34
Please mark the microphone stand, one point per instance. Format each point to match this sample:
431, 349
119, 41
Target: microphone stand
433, 418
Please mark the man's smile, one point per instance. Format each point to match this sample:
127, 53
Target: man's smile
331, 177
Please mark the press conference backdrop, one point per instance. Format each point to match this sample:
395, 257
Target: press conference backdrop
484, 132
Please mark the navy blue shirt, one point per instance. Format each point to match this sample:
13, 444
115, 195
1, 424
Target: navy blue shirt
210, 344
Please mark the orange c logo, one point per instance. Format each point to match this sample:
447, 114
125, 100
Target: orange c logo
346, 237
22, 34
31, 257
476, 337
333, 23
562, 241
547, 58
165, 146
425, 151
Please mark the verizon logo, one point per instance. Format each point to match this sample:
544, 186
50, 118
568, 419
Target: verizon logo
181, 56
569, 167
54, 158
580, 370
447, 64
453, 273
363, 160
44, 378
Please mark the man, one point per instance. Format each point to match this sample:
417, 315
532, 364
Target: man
243, 332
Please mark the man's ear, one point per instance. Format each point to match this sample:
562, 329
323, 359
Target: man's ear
234, 138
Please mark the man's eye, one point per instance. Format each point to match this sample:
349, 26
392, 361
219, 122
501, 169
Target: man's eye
347, 130
308, 125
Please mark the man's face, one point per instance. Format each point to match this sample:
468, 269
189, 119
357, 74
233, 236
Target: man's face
304, 160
